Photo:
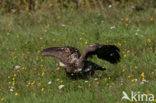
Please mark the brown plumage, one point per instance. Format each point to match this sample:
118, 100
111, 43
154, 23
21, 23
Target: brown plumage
74, 62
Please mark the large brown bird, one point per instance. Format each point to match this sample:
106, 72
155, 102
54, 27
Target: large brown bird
74, 62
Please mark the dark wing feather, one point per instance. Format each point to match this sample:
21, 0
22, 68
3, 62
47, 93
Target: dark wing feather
106, 52
63, 53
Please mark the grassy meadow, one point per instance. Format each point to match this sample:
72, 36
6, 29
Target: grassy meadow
26, 77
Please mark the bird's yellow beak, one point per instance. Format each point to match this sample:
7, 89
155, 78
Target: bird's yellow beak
61, 64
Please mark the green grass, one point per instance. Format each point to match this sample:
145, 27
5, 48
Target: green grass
23, 36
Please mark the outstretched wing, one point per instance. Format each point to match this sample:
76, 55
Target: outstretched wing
65, 54
106, 52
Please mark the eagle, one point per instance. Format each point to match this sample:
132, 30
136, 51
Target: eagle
76, 63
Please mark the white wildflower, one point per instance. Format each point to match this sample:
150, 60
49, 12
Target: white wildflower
137, 30
79, 69
49, 82
96, 79
11, 90
145, 80
17, 67
63, 25
110, 6
136, 33
79, 86
102, 21
142, 83
113, 27
86, 81
60, 86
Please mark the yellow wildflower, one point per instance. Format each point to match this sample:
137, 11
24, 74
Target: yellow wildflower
15, 75
61, 81
83, 33
113, 83
13, 79
9, 24
126, 19
125, 56
89, 85
58, 17
16, 94
142, 75
136, 67
45, 31
126, 24
70, 22
123, 70
39, 84
97, 83
57, 79
2, 99
57, 68
86, 42
33, 82
147, 94
149, 40
17, 36
41, 65
151, 19
38, 74
53, 39
119, 44
80, 38
42, 89
41, 38
134, 80
42, 74
48, 25
29, 13
9, 82
38, 51
13, 83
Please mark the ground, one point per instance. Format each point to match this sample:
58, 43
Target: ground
26, 77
